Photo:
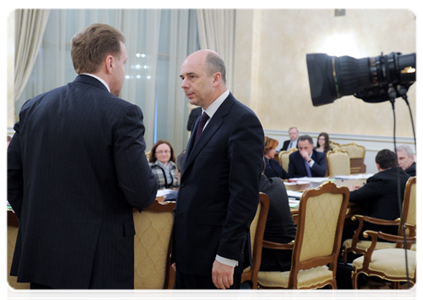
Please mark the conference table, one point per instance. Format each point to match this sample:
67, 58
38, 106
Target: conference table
300, 186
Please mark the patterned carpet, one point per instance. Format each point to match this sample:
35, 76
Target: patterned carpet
375, 289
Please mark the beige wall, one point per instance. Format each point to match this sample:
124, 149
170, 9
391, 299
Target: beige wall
9, 66
271, 72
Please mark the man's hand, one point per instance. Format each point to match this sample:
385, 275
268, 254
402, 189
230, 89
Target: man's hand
223, 275
305, 155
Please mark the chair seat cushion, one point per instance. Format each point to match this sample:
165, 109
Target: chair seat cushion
391, 262
363, 245
306, 278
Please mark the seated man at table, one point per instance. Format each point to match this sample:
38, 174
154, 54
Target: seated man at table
307, 162
380, 193
293, 139
280, 226
406, 159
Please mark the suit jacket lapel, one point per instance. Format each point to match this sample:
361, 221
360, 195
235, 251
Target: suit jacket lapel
215, 122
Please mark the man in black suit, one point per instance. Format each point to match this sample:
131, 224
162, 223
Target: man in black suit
219, 189
406, 159
307, 162
380, 193
76, 170
293, 139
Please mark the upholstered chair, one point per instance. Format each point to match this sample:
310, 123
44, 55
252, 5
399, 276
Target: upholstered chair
318, 239
257, 231
359, 246
397, 265
153, 228
338, 162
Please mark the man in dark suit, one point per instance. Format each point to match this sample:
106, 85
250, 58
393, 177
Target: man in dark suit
219, 189
76, 170
293, 139
307, 162
380, 193
406, 159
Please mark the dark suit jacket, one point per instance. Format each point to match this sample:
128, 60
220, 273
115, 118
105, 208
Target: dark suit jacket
219, 190
380, 195
286, 144
411, 170
274, 169
280, 226
76, 169
296, 167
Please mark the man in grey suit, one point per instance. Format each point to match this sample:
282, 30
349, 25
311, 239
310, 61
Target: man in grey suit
76, 170
219, 188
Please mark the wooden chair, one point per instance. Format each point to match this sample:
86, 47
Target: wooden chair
153, 228
388, 264
317, 242
257, 231
147, 155
357, 154
338, 162
284, 158
358, 246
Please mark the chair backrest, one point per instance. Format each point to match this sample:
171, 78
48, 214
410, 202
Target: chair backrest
334, 145
147, 155
256, 233
284, 158
319, 230
338, 162
354, 150
153, 228
411, 204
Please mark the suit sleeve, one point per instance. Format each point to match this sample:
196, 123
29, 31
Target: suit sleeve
367, 192
320, 166
134, 174
245, 153
15, 173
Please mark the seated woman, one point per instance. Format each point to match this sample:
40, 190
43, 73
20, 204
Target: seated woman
162, 163
273, 167
322, 144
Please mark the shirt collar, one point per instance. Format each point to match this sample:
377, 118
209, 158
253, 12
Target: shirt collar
99, 79
211, 110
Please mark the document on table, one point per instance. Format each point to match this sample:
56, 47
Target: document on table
356, 176
309, 179
294, 194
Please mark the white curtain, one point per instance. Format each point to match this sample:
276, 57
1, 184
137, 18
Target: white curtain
29, 30
216, 31
157, 42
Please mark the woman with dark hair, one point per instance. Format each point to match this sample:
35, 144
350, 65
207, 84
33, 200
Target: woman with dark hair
322, 144
273, 167
162, 163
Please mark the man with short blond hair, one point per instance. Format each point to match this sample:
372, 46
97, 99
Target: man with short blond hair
76, 169
293, 139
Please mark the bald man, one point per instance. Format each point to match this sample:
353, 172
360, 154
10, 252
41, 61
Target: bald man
220, 176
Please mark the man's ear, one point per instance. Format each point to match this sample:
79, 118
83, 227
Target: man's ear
109, 61
217, 78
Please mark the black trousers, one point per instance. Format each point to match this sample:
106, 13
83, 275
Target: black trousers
42, 292
194, 287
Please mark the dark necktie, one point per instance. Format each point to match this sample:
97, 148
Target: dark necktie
203, 120
308, 169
